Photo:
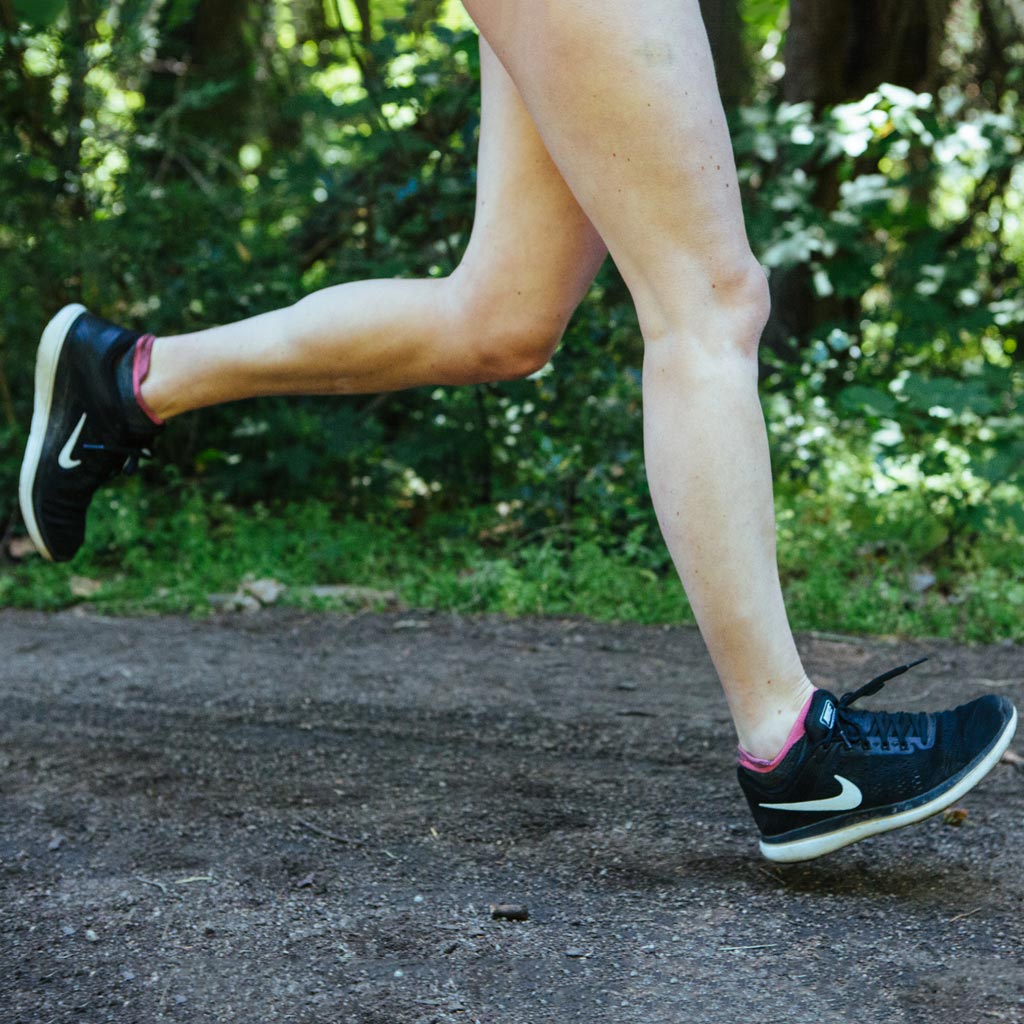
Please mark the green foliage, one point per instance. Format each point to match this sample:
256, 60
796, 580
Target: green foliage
175, 192
911, 380
167, 550
38, 13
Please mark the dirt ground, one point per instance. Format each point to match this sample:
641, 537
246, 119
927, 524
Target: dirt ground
307, 818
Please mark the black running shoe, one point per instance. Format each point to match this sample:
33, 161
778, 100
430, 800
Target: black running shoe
86, 426
856, 773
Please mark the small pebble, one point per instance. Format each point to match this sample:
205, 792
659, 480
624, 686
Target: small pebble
91, 936
576, 954
510, 912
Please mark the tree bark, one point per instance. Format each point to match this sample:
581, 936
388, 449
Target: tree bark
838, 50
732, 61
215, 48
365, 22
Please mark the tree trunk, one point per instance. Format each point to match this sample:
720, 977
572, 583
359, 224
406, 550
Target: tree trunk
732, 61
365, 22
214, 48
837, 51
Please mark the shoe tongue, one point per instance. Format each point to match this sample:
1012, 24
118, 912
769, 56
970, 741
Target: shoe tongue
821, 715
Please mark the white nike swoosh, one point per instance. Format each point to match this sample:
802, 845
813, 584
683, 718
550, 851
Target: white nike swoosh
64, 460
847, 799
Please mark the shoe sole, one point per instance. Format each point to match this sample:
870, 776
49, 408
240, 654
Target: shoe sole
818, 846
51, 344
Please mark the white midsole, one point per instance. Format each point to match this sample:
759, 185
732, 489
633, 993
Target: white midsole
817, 846
48, 356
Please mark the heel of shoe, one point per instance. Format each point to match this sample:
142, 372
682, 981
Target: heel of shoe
51, 345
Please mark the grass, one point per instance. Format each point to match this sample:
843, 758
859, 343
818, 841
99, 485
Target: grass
144, 562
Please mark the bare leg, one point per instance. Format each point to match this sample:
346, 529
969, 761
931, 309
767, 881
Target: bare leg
624, 95
531, 257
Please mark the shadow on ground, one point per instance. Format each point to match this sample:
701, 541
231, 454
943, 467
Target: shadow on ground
306, 818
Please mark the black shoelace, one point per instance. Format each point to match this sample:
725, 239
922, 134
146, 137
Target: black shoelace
132, 456
892, 728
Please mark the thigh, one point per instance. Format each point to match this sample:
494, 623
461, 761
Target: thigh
531, 241
625, 98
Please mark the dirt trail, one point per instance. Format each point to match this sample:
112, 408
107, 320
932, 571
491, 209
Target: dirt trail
304, 818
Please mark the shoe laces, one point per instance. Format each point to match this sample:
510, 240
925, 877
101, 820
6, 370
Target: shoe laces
891, 728
133, 455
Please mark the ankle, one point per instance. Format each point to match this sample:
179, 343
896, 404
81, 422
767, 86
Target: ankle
149, 392
131, 368
764, 743
142, 357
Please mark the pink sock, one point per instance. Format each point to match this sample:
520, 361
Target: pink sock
757, 764
140, 367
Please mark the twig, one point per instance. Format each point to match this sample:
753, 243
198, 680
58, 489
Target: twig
835, 638
6, 402
329, 835
5, 540
960, 917
156, 885
374, 404
195, 174
214, 154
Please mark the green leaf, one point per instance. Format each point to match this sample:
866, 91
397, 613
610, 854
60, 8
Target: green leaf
180, 11
1005, 464
38, 13
924, 394
868, 400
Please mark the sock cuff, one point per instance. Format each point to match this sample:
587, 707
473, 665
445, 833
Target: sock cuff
758, 764
140, 368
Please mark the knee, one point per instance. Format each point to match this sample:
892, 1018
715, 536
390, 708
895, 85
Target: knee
745, 301
503, 333
722, 309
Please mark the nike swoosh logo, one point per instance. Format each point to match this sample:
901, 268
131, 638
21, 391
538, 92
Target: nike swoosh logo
846, 799
64, 460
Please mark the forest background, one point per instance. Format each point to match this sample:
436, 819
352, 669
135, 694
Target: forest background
176, 164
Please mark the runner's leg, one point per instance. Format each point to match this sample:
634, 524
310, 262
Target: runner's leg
531, 256
624, 95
